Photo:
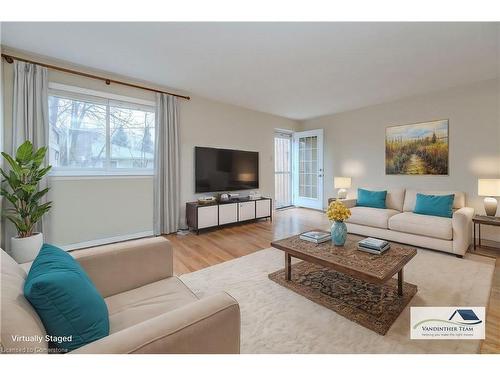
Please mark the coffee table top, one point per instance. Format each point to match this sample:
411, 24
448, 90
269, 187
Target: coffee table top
348, 259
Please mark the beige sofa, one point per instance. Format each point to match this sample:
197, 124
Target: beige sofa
150, 310
398, 223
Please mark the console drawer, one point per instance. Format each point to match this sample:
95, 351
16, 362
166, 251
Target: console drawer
246, 211
208, 217
263, 208
228, 213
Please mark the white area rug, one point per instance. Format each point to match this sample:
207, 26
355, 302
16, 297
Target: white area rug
277, 320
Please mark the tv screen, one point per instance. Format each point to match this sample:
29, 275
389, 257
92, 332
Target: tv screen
225, 170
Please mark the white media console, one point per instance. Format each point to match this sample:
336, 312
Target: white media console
204, 216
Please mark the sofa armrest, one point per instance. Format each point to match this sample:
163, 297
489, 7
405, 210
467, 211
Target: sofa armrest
208, 326
349, 203
462, 229
123, 266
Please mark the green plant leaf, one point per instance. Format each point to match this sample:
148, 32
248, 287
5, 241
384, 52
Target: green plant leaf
29, 188
19, 224
13, 164
13, 180
39, 155
24, 152
22, 180
10, 197
4, 174
38, 195
42, 172
40, 211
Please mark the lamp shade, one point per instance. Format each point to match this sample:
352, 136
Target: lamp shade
489, 187
342, 182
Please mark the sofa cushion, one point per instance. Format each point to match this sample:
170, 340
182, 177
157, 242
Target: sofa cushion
373, 217
423, 225
65, 299
411, 198
17, 316
137, 305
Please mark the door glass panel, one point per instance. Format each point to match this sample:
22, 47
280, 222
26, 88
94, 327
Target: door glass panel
308, 167
283, 170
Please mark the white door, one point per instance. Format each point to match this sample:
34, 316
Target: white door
308, 169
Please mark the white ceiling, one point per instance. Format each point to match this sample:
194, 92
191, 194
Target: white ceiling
295, 70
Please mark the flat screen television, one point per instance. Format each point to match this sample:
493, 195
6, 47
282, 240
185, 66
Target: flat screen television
219, 169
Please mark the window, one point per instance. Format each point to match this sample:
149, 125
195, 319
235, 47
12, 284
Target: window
90, 134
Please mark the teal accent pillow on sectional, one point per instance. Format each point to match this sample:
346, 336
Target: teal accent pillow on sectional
68, 303
435, 205
368, 198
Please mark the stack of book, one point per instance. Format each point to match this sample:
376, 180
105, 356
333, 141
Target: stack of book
373, 245
315, 236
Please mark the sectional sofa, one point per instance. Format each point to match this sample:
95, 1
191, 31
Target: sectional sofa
150, 309
398, 223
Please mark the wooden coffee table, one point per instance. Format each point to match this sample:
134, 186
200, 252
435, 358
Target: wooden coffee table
347, 259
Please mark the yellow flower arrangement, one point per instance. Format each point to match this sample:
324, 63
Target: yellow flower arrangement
337, 211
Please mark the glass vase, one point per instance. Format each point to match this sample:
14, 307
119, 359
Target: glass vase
339, 233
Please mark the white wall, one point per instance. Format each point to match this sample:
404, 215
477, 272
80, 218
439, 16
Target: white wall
93, 208
96, 208
205, 123
354, 141
101, 207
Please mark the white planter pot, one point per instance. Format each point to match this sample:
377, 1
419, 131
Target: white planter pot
26, 249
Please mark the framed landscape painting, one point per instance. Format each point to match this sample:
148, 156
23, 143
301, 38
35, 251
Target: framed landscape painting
417, 149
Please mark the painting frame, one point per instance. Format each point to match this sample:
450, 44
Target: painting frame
430, 142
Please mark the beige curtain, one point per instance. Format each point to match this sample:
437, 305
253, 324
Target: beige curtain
30, 109
167, 177
30, 105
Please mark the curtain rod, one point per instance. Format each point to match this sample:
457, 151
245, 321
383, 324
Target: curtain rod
10, 59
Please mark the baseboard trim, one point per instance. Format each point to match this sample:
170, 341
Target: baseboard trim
106, 241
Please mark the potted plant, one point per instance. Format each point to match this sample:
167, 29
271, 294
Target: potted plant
338, 212
25, 209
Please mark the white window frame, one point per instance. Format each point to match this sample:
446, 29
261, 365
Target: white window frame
58, 89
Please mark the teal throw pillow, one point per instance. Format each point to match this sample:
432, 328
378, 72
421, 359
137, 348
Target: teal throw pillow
368, 198
434, 205
69, 305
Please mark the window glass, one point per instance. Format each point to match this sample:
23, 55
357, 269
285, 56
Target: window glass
89, 135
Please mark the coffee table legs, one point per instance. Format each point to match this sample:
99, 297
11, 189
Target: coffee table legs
288, 273
400, 282
288, 267
479, 230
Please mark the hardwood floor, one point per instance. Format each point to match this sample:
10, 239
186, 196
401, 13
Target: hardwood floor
491, 345
193, 252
